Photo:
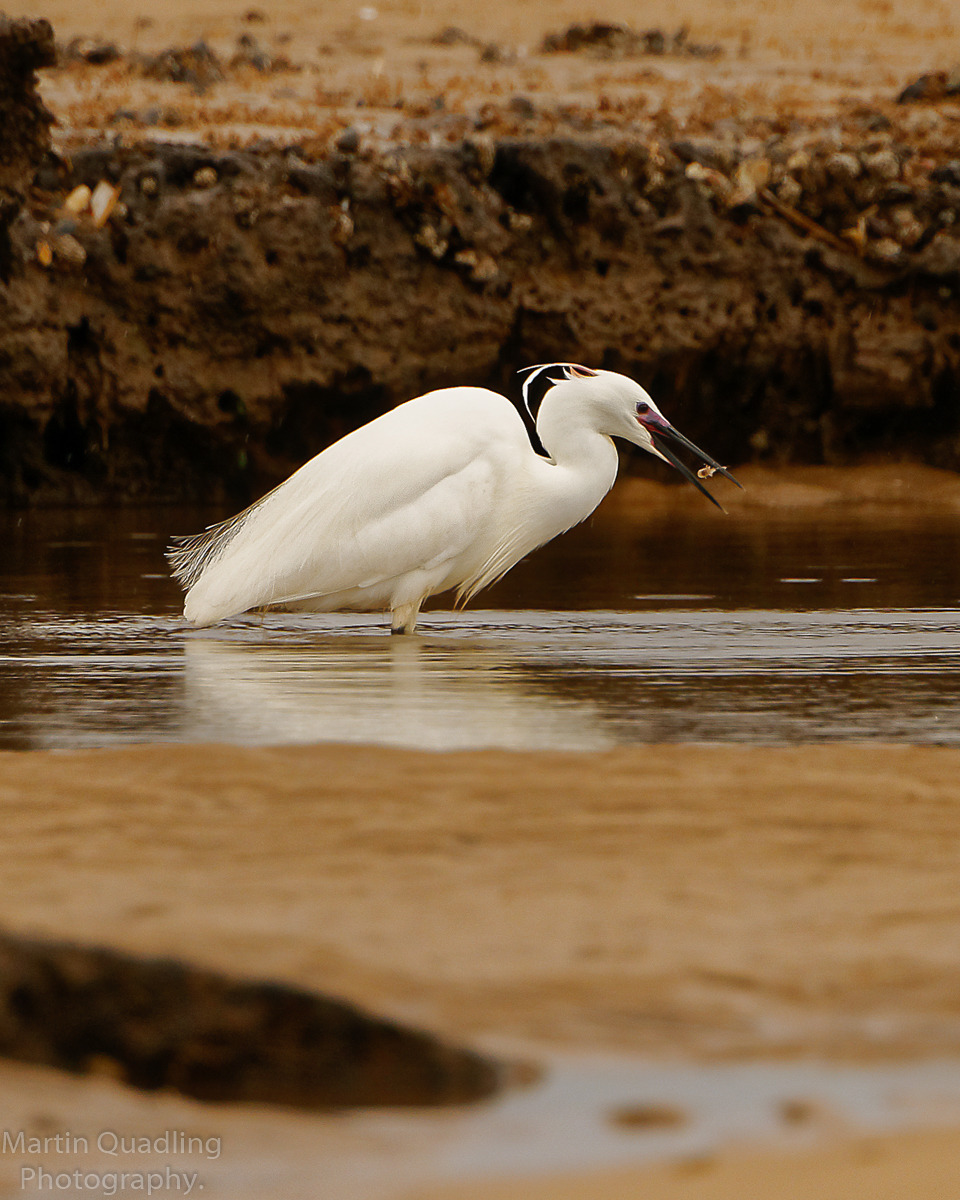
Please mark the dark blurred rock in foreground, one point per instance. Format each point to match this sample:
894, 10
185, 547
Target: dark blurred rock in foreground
160, 1024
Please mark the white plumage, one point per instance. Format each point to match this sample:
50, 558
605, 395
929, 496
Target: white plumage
445, 491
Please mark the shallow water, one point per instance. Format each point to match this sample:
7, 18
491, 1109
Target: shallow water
579, 1118
771, 629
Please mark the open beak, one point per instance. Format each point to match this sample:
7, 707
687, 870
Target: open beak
660, 429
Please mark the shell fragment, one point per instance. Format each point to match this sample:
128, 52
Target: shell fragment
102, 202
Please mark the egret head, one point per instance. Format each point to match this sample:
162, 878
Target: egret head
618, 407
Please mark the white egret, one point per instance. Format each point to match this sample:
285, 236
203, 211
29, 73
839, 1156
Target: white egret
445, 491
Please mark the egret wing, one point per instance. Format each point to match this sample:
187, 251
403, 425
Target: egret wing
407, 492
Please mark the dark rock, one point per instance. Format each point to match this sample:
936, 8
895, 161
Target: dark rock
709, 154
232, 165
619, 41
167, 1025
251, 54
196, 65
349, 141
602, 35
928, 88
493, 53
948, 172
452, 35
182, 162
52, 173
940, 257
522, 106
897, 193
313, 179
873, 120
90, 164
91, 50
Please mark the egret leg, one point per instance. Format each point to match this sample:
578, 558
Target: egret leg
403, 619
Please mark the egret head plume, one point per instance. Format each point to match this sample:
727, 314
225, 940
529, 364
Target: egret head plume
541, 378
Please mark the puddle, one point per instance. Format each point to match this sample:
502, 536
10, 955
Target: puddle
573, 1120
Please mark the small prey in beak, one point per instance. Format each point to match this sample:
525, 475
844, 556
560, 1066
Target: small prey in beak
659, 429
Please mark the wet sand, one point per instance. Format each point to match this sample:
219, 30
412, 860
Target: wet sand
923, 1166
717, 901
706, 902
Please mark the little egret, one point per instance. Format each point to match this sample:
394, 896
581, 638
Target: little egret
445, 491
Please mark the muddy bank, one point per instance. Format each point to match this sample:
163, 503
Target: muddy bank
163, 1024
25, 46
786, 288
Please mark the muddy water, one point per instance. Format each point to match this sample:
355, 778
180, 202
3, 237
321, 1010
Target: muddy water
764, 629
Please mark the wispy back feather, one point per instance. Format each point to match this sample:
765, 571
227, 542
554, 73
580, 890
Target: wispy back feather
190, 555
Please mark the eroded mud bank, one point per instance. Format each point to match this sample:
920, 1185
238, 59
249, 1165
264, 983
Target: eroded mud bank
788, 293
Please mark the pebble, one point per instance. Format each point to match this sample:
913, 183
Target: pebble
343, 225
751, 175
716, 181
883, 163
431, 240
789, 191
941, 257
78, 200
69, 249
522, 106
349, 141
102, 202
885, 250
482, 266
909, 229
485, 151
844, 165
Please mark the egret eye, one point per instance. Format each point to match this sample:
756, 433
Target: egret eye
643, 408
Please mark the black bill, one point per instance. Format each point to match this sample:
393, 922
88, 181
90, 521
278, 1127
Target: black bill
658, 436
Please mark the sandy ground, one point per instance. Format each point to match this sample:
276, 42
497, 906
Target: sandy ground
350, 62
921, 1166
705, 901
